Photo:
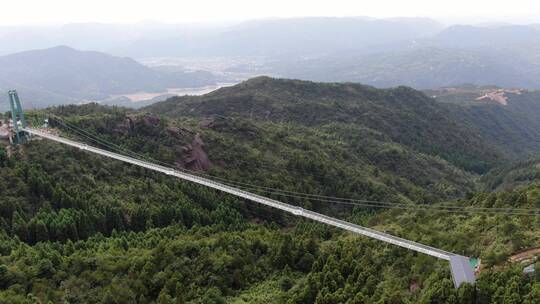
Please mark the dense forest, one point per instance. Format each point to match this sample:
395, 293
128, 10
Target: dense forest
514, 125
79, 228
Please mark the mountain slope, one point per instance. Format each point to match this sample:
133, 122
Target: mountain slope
468, 36
514, 175
505, 56
84, 75
77, 227
507, 118
421, 68
80, 228
405, 116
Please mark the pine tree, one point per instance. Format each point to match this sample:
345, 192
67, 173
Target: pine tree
19, 226
41, 232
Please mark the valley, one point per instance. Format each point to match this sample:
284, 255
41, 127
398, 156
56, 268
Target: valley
141, 99
142, 96
63, 75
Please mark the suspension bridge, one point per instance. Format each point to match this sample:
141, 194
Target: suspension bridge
460, 267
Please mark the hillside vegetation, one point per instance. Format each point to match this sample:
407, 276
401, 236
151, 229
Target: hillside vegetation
81, 228
402, 115
513, 126
78, 228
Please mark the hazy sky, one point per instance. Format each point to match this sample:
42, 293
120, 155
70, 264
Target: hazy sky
180, 11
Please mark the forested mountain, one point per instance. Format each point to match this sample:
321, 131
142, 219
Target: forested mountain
501, 55
460, 36
65, 75
422, 68
402, 115
428, 67
79, 228
516, 174
507, 118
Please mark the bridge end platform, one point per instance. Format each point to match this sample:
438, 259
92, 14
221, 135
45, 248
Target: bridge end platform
462, 271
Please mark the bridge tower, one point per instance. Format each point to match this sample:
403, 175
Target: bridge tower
17, 117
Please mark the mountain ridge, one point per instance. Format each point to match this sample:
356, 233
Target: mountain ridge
415, 117
85, 75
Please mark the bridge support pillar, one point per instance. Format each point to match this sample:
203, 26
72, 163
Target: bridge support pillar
17, 116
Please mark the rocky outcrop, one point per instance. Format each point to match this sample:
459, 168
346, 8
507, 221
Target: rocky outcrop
240, 127
213, 122
5, 133
150, 121
193, 157
127, 126
179, 132
207, 123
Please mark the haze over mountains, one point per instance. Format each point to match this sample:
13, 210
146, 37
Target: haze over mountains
64, 75
416, 52
504, 56
259, 37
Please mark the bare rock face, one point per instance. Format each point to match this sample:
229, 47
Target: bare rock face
127, 126
193, 157
150, 121
225, 124
207, 123
215, 122
179, 132
129, 123
174, 131
210, 122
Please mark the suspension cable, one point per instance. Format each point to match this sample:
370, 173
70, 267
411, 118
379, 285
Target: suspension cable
314, 197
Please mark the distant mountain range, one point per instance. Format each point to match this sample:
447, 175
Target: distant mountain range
474, 36
267, 37
505, 56
509, 119
415, 52
64, 75
286, 37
